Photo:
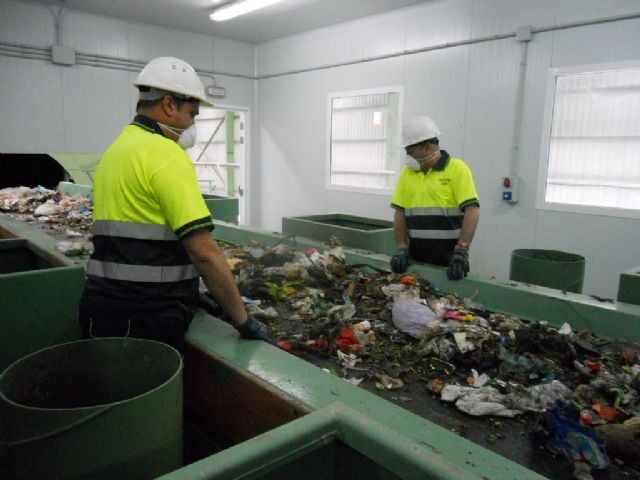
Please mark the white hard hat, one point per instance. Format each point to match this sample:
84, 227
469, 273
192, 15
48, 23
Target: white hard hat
172, 75
418, 129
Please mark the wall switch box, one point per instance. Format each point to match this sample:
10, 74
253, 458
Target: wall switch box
63, 55
510, 188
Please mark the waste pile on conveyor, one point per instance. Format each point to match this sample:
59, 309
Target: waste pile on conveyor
65, 217
528, 391
394, 334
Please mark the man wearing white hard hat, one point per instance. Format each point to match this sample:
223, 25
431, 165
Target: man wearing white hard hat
436, 203
152, 229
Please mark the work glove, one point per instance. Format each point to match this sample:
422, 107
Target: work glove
254, 329
400, 260
458, 264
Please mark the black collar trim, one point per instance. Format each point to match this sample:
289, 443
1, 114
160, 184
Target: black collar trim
442, 163
148, 124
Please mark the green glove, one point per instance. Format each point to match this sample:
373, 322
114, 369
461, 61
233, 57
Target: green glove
458, 264
254, 329
400, 260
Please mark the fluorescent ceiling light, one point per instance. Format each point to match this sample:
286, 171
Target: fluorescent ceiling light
239, 8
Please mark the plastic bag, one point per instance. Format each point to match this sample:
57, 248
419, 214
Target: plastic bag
412, 317
577, 441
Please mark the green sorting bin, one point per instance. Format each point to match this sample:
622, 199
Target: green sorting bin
548, 268
106, 408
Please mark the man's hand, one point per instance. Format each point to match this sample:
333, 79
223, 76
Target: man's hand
254, 329
400, 260
458, 263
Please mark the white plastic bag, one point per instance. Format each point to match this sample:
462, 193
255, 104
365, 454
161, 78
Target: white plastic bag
412, 317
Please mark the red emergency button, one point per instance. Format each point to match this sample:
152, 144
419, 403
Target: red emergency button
506, 182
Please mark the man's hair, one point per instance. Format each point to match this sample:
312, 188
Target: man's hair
149, 104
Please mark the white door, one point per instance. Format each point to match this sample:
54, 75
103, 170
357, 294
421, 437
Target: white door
219, 154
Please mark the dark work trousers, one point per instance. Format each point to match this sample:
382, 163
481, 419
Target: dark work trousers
100, 319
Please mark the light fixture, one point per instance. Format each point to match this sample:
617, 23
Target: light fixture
239, 8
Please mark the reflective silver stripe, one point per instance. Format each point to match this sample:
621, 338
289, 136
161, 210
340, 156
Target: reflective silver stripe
140, 273
144, 231
434, 211
435, 234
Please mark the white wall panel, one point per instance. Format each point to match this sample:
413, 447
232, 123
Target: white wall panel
437, 23
94, 34
597, 44
437, 85
290, 172
27, 23
378, 35
230, 56
32, 107
148, 41
92, 124
488, 132
505, 16
568, 11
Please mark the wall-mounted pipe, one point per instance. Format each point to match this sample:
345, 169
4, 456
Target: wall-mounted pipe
523, 36
58, 23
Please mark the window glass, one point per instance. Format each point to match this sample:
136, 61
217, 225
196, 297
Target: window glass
363, 148
594, 140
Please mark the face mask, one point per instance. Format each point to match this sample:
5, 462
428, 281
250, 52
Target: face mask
411, 163
416, 163
186, 136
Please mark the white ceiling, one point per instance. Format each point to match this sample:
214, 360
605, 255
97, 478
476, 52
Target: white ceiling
280, 20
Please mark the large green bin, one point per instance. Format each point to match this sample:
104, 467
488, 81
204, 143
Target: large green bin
108, 408
548, 268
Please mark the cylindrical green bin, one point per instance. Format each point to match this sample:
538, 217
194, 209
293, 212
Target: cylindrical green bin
107, 408
548, 268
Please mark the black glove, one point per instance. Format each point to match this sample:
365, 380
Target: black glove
254, 329
458, 264
400, 260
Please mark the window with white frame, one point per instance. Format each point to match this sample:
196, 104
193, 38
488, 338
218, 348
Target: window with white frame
594, 140
363, 139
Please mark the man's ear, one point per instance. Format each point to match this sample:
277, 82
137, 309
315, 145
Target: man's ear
168, 105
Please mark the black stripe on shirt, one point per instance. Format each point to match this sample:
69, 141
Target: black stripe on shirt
135, 251
433, 222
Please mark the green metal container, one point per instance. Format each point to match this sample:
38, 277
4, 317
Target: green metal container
107, 408
358, 232
39, 294
225, 209
548, 268
629, 286
335, 442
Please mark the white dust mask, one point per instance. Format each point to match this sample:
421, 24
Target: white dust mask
416, 163
411, 163
186, 136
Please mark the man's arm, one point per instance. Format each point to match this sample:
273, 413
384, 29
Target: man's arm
469, 224
400, 229
208, 258
400, 259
